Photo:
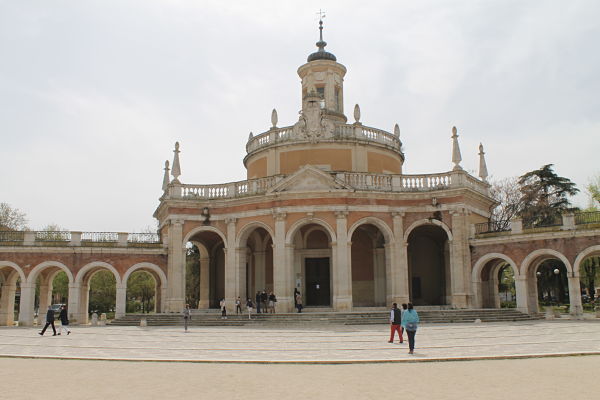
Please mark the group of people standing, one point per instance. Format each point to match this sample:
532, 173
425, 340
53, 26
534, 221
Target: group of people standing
405, 319
265, 303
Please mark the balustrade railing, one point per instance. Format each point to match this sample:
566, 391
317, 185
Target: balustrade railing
99, 237
587, 217
228, 190
52, 236
143, 238
344, 132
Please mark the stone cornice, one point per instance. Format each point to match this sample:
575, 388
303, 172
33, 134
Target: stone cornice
533, 236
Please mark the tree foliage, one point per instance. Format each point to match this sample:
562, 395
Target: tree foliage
60, 288
103, 288
593, 189
507, 194
12, 219
141, 288
590, 274
544, 195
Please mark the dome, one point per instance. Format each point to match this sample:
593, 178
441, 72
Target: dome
321, 54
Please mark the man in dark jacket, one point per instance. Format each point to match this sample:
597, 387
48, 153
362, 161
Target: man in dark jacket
49, 321
64, 321
395, 322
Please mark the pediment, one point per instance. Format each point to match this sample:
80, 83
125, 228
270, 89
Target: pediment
309, 179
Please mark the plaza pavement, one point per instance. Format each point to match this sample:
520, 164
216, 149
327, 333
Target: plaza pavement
310, 344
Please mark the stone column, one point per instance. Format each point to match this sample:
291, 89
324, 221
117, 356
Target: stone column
26, 305
84, 301
342, 269
121, 301
576, 308
397, 282
460, 261
379, 275
231, 270
45, 297
204, 302
76, 311
175, 268
521, 294
7, 304
282, 267
240, 275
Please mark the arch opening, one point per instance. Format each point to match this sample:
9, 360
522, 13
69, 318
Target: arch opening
142, 292
429, 265
205, 270
368, 262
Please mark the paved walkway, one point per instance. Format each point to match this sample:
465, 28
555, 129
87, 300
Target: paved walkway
307, 344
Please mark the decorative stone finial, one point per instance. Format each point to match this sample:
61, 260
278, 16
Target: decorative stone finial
274, 118
483, 172
250, 136
166, 179
456, 157
357, 113
397, 130
176, 171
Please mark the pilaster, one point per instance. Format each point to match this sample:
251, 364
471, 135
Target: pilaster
76, 311
175, 268
397, 272
7, 304
204, 302
342, 269
121, 301
460, 264
282, 267
232, 277
26, 304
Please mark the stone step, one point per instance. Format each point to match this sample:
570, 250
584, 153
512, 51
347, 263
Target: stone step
347, 318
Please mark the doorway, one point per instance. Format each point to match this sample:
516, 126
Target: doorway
318, 291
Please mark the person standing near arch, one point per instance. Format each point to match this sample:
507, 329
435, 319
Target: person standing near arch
49, 321
64, 321
395, 321
410, 322
187, 316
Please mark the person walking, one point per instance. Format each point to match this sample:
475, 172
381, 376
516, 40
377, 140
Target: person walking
395, 322
249, 307
49, 321
299, 302
257, 299
238, 306
64, 321
223, 309
410, 322
402, 311
187, 316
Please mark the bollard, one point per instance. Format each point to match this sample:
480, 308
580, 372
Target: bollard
143, 322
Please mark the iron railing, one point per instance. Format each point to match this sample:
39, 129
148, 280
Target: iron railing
99, 237
543, 222
143, 238
492, 226
12, 236
587, 217
52, 236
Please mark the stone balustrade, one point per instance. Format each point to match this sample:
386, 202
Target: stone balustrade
357, 180
76, 238
342, 132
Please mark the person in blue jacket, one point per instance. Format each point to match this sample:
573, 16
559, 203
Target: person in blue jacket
410, 322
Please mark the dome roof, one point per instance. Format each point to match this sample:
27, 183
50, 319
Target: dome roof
321, 54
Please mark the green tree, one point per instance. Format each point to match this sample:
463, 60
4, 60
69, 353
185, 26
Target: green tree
12, 219
140, 291
544, 195
103, 292
590, 274
593, 189
60, 288
192, 276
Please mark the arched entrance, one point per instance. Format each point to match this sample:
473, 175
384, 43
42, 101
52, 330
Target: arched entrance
547, 273
587, 269
494, 282
98, 283
10, 278
211, 267
51, 281
429, 265
368, 267
255, 261
313, 264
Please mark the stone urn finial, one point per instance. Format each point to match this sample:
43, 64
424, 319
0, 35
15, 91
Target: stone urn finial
250, 136
397, 130
274, 118
456, 157
356, 113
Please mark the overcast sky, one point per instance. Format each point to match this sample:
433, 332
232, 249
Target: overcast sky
94, 94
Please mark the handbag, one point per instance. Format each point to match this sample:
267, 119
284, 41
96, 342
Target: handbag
411, 326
